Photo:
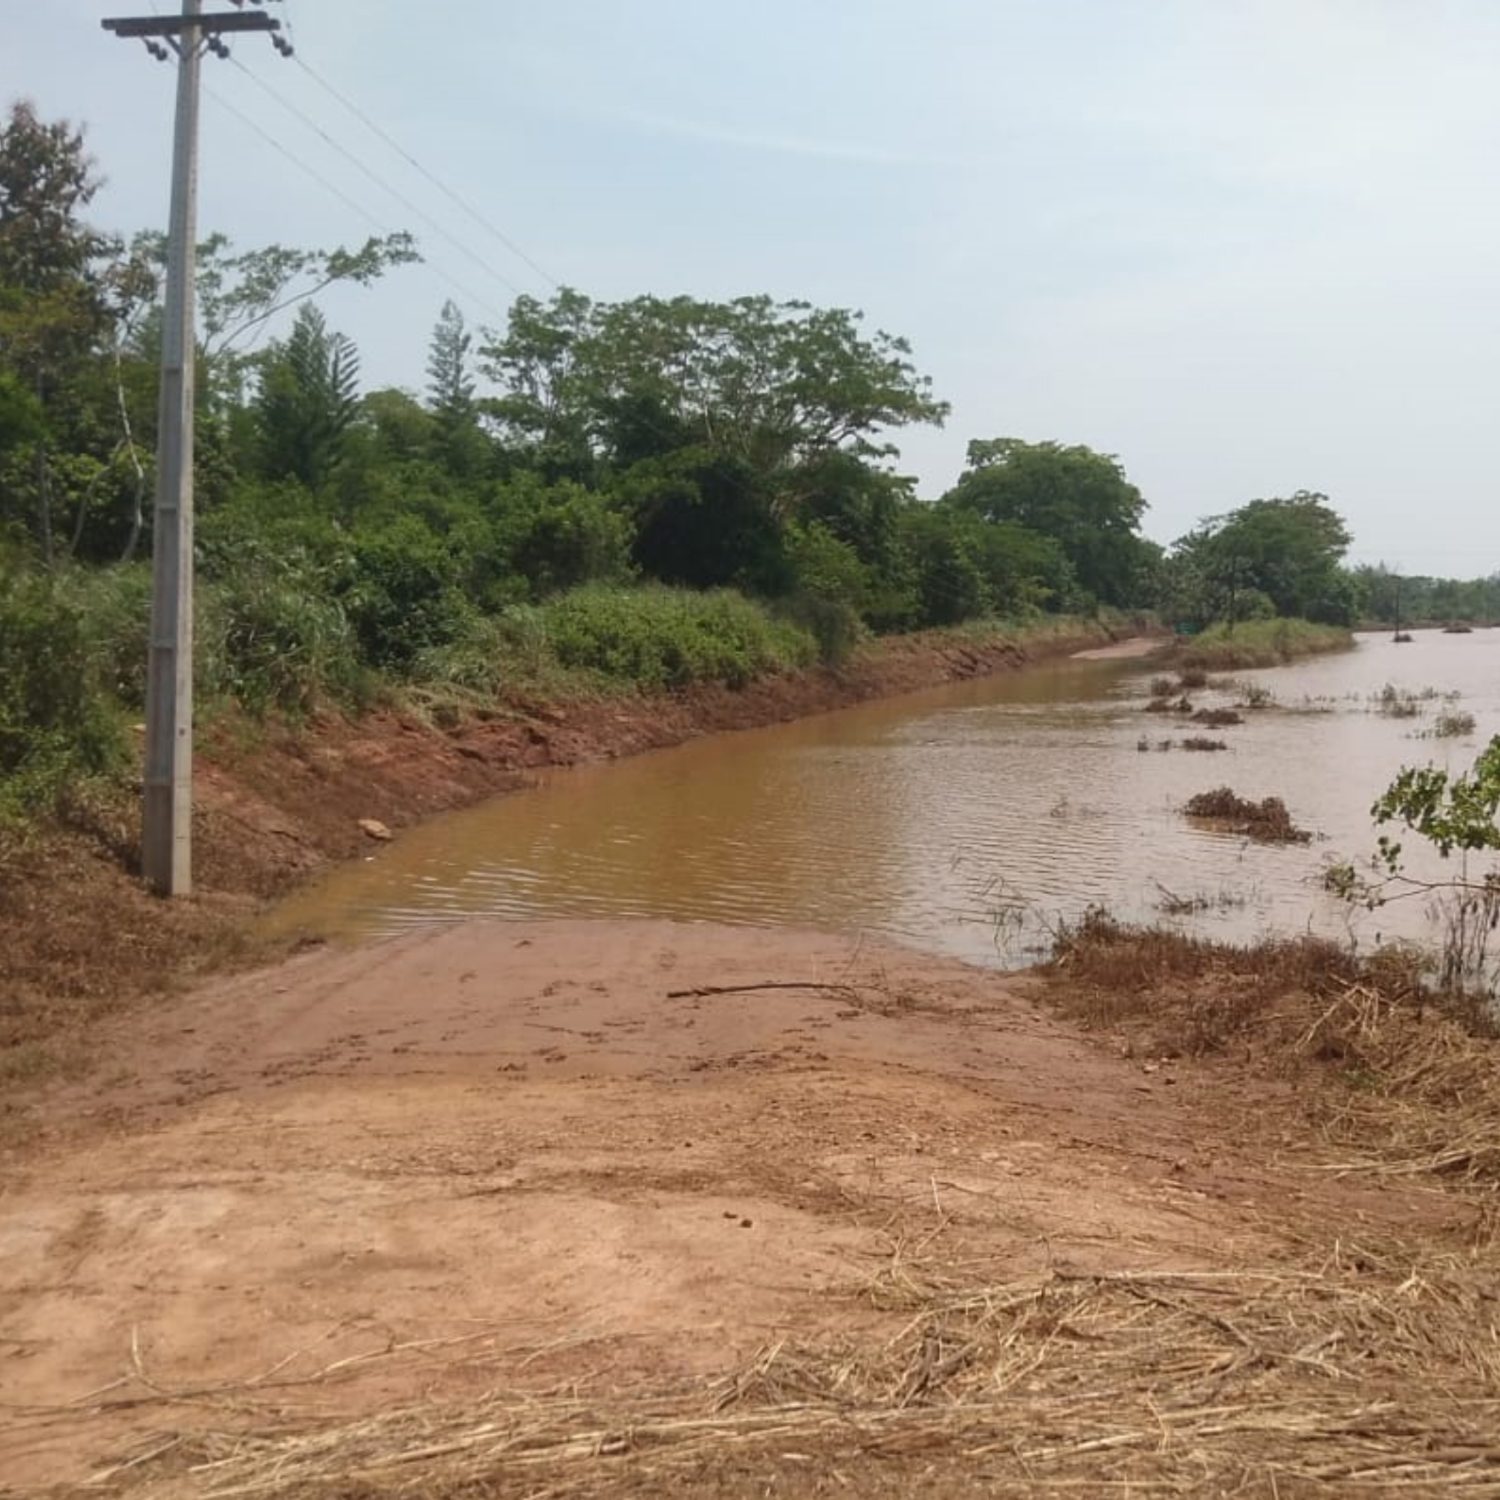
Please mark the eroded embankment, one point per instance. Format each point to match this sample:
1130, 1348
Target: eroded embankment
79, 936
623, 1208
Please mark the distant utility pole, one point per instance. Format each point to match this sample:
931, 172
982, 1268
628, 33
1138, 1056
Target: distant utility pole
167, 832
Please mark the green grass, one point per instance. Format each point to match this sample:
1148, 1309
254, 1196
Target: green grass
1039, 631
604, 639
1261, 643
658, 638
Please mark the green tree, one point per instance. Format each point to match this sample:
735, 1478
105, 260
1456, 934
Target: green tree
450, 386
308, 401
1290, 550
774, 386
1081, 499
555, 537
1454, 814
65, 289
945, 549
21, 419
704, 520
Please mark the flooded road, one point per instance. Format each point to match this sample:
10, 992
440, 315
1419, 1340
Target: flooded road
966, 820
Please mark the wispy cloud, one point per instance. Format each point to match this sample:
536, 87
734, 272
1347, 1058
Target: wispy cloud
788, 145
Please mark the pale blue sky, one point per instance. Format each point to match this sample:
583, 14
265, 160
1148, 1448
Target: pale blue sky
1248, 246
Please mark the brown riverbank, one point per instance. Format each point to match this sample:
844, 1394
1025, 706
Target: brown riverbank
79, 937
624, 1208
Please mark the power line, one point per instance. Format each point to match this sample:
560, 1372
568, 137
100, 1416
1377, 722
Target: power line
431, 177
357, 207
376, 178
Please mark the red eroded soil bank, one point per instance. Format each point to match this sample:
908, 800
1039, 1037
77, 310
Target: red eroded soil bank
79, 936
299, 798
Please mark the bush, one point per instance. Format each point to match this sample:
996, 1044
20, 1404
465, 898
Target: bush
275, 637
827, 567
1452, 724
656, 638
113, 606
57, 721
556, 537
403, 594
493, 653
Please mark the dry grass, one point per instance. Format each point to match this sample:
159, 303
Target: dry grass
84, 940
1267, 821
1397, 1081
1346, 1367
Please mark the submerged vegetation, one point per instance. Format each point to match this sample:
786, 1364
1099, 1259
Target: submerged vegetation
1217, 718
1452, 724
1267, 821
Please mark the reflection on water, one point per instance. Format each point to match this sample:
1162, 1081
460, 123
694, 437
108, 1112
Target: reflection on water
933, 817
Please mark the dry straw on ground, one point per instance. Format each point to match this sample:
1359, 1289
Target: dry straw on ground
1355, 1370
1401, 1081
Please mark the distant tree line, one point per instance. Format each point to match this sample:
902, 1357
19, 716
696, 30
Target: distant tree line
1387, 597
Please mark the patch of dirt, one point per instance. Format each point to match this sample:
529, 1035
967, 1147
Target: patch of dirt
532, 1178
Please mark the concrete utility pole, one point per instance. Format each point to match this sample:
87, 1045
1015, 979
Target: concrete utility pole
167, 831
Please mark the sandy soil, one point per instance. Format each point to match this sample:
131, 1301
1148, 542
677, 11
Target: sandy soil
523, 1155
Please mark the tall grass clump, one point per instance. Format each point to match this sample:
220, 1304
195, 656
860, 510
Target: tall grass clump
657, 638
270, 639
113, 609
497, 653
59, 724
1261, 643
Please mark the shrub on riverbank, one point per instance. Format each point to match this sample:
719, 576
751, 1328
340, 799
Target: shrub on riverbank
1261, 643
58, 721
658, 638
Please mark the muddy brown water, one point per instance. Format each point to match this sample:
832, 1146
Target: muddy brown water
966, 820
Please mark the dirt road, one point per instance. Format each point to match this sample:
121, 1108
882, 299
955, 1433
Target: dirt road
601, 1162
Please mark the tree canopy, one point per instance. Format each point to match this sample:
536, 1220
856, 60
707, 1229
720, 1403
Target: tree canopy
1288, 551
1079, 498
